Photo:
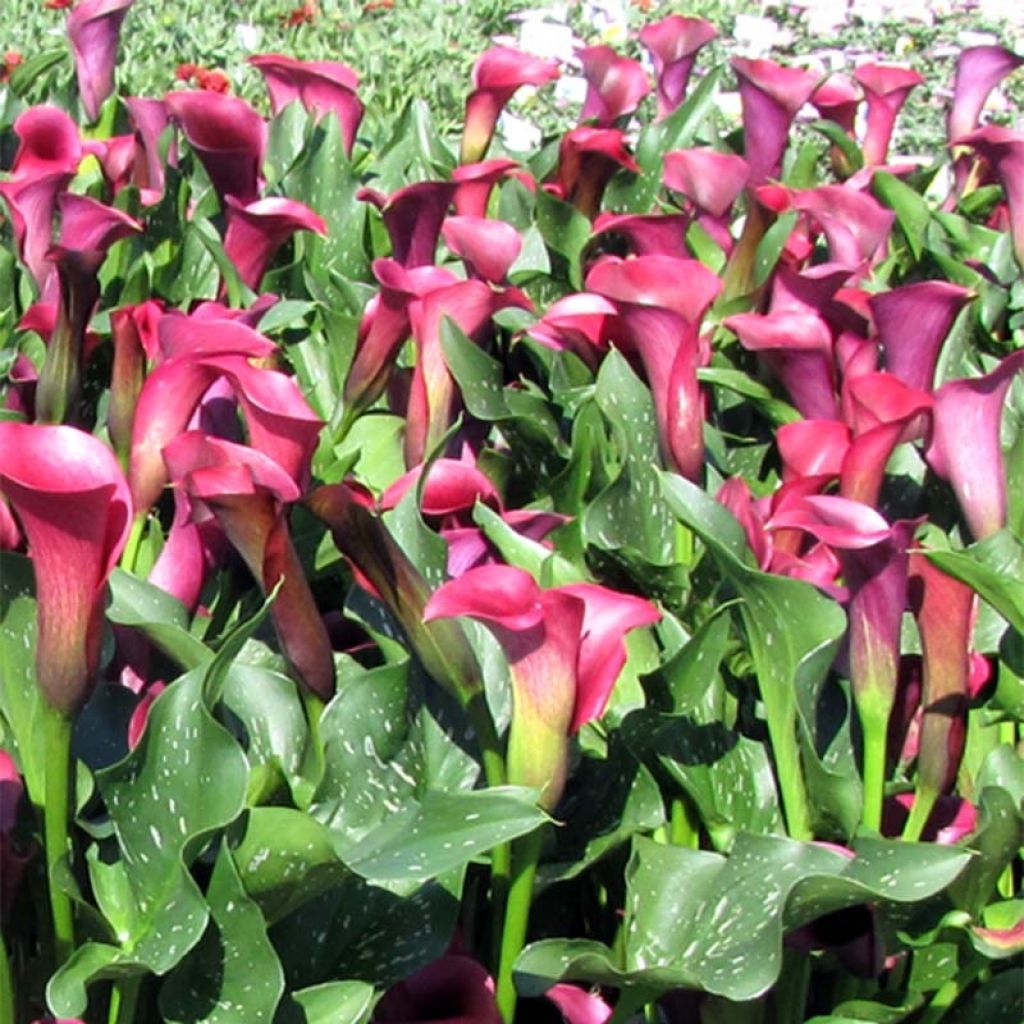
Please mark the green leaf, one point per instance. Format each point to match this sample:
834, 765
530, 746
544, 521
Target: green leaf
994, 567
842, 141
445, 831
565, 230
334, 1002
233, 974
996, 1001
770, 247
912, 213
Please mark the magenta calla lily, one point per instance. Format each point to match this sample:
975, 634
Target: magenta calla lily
258, 229
451, 486
73, 504
886, 88
476, 182
979, 69
497, 75
582, 323
653, 234
965, 448
413, 217
771, 95
31, 203
150, 119
673, 44
565, 648
48, 141
712, 181
587, 159
94, 28
487, 247
134, 337
615, 85
454, 989
321, 86
837, 100
227, 135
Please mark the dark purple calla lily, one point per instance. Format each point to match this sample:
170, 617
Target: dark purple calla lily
587, 159
1004, 151
413, 217
94, 28
453, 989
979, 70
615, 85
912, 322
12, 860
886, 88
965, 449
227, 135
258, 229
497, 75
565, 648
673, 44
321, 86
771, 95
247, 491
73, 504
487, 247
661, 301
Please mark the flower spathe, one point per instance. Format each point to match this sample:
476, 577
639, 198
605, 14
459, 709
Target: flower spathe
73, 504
565, 648
94, 27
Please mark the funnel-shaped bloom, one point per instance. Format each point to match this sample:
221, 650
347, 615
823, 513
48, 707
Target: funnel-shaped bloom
246, 492
886, 88
647, 234
487, 247
257, 230
321, 86
1004, 150
709, 179
73, 504
150, 118
94, 27
134, 336
978, 71
497, 75
913, 321
615, 85
48, 141
227, 135
661, 301
582, 323
31, 202
837, 100
476, 182
965, 448
673, 44
383, 569
453, 988
587, 159
771, 96
812, 448
413, 217
565, 648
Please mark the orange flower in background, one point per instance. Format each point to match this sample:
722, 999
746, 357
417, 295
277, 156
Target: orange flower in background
213, 81
11, 60
378, 5
186, 72
304, 15
58, 5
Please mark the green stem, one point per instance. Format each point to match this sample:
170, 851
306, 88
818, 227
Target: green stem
789, 772
517, 919
631, 1000
920, 811
685, 826
55, 828
874, 732
790, 996
6, 985
942, 1002
124, 999
131, 549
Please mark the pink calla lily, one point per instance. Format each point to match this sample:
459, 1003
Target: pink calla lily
451, 486
979, 70
321, 86
228, 137
712, 181
73, 504
454, 989
258, 229
837, 100
94, 28
615, 85
413, 217
48, 141
965, 447
673, 44
150, 119
654, 234
565, 648
476, 182
487, 247
886, 88
497, 75
31, 203
582, 323
587, 159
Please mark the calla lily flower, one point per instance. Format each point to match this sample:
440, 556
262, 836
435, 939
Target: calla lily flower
497, 75
912, 321
1004, 150
661, 301
653, 234
451, 486
149, 118
48, 141
837, 100
965, 449
565, 649
712, 181
73, 504
94, 27
454, 989
771, 96
578, 1006
12, 862
979, 70
487, 247
673, 44
587, 159
31, 202
476, 182
413, 217
321, 86
227, 135
886, 88
951, 821
246, 492
258, 229
812, 448
134, 336
615, 85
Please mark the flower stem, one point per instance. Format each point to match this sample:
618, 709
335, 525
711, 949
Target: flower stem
920, 812
131, 549
124, 999
517, 918
874, 732
6, 985
781, 722
55, 828
685, 826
